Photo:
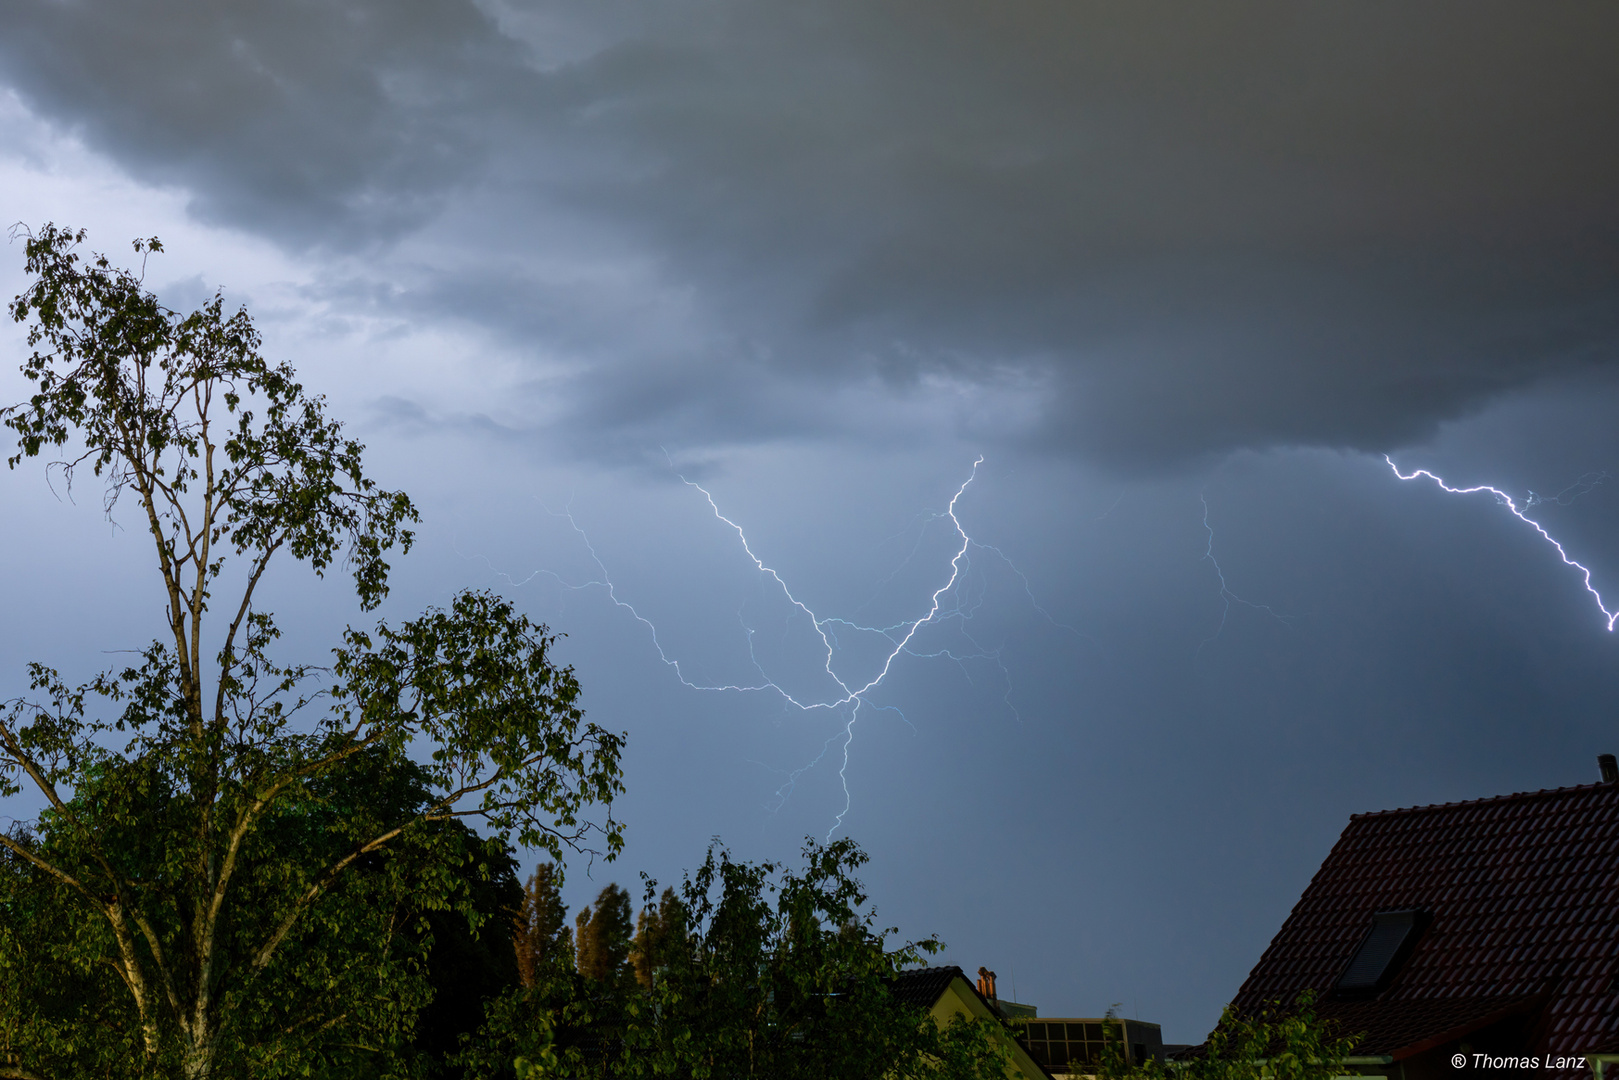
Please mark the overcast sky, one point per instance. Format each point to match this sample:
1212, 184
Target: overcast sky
1179, 275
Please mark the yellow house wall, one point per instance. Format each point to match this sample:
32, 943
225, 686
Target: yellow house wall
959, 999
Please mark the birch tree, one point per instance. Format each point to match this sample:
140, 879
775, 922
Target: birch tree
202, 838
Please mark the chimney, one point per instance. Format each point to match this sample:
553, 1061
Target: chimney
1609, 766
986, 983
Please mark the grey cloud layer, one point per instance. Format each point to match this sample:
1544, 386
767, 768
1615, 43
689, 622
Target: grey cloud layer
1194, 229
308, 121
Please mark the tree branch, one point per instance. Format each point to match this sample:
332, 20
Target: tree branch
61, 875
321, 884
260, 563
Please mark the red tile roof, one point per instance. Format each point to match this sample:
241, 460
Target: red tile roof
1524, 894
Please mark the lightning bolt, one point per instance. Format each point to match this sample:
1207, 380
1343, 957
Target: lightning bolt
1568, 495
848, 697
1227, 597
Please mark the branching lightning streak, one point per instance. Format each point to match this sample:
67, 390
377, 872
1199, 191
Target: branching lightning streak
1580, 487
849, 697
1226, 595
852, 697
1583, 486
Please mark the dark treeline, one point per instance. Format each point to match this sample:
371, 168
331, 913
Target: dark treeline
743, 970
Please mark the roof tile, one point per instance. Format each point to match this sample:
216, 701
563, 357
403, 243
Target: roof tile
1525, 909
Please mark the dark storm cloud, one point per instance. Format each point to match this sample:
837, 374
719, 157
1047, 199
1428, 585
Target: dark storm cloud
1195, 228
308, 121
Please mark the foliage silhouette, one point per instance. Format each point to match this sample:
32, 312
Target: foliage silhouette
1275, 1043
755, 970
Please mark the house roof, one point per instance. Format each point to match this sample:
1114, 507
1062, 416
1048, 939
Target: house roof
1523, 891
922, 986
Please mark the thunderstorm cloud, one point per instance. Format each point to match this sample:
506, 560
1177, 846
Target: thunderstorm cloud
1137, 232
1179, 273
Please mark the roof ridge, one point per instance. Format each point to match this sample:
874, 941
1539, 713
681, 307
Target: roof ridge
1521, 890
1514, 796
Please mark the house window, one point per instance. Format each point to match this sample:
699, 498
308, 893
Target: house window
1061, 1046
1384, 948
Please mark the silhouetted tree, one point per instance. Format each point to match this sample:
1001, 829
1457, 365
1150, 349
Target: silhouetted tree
540, 932
764, 973
660, 932
603, 935
470, 958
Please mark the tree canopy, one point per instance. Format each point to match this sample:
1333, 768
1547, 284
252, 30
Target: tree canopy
602, 933
226, 834
540, 934
747, 970
1275, 1042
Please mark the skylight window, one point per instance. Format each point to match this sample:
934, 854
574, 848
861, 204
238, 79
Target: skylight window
1387, 944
